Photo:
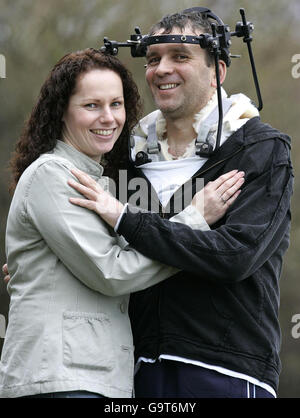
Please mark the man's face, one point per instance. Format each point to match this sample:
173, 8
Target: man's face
179, 77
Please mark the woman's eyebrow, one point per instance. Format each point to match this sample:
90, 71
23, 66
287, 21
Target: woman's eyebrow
93, 99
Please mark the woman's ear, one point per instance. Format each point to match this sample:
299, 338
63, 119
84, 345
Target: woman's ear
222, 72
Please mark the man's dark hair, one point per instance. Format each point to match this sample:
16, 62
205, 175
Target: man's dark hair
181, 21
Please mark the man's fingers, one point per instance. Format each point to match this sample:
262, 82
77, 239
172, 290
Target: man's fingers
85, 191
6, 279
5, 269
84, 203
84, 179
106, 207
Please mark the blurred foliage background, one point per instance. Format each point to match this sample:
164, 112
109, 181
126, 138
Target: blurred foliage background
34, 34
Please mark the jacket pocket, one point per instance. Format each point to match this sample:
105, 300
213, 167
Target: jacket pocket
87, 341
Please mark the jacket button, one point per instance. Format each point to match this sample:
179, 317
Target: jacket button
123, 307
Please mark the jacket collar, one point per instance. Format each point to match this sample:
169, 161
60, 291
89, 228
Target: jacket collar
255, 132
252, 132
80, 160
241, 111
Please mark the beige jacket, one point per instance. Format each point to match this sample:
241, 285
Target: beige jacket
70, 282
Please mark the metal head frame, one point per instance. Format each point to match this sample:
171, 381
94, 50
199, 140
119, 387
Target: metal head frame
217, 43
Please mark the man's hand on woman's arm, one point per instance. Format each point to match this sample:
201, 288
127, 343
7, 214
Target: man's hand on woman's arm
212, 201
6, 273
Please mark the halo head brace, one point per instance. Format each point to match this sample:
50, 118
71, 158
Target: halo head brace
198, 19
216, 40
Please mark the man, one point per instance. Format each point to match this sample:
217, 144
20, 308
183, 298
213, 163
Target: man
213, 332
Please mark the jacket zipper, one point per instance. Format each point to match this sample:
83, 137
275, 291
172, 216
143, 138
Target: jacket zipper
161, 208
162, 214
217, 163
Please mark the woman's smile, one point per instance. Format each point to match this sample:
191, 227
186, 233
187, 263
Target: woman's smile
103, 133
96, 114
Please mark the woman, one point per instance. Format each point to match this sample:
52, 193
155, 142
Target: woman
69, 333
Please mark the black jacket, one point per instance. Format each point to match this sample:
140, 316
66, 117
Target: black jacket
222, 308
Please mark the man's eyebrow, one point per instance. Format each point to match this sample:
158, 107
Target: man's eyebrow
177, 48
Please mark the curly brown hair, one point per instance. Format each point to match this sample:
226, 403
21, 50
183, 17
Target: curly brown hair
44, 126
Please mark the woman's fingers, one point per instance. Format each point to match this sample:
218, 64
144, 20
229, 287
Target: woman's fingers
229, 190
225, 181
229, 182
220, 180
231, 200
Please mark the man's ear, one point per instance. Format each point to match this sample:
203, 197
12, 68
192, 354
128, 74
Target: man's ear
222, 71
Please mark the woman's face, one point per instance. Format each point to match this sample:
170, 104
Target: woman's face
95, 116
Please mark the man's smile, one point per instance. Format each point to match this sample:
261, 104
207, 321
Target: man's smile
168, 86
